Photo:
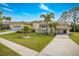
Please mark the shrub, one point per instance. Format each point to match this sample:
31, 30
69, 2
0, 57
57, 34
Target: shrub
26, 30
19, 31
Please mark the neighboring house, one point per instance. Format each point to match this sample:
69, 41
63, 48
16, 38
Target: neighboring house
20, 24
4, 25
40, 27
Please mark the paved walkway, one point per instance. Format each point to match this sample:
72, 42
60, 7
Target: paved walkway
2, 33
62, 45
18, 48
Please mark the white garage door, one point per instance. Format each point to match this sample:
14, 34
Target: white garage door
60, 31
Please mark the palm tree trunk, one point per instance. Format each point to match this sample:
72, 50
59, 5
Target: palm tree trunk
47, 28
51, 29
25, 33
55, 31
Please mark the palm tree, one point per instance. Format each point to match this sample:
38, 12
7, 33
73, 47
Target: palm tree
54, 24
25, 30
50, 25
47, 19
4, 18
8, 19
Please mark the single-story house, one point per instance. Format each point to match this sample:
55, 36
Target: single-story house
20, 24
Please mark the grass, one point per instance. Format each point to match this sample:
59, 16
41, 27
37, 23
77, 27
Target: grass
5, 51
75, 37
3, 30
36, 42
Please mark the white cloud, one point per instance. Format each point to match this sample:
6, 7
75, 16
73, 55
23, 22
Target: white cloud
25, 13
5, 4
44, 13
44, 7
8, 9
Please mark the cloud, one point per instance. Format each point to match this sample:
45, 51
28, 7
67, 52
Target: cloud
44, 7
8, 9
25, 13
5, 4
43, 13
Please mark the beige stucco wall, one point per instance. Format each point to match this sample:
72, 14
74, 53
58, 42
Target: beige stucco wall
35, 26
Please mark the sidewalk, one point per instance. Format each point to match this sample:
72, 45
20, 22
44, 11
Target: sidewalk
18, 48
62, 45
2, 33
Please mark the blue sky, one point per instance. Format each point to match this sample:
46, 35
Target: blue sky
31, 11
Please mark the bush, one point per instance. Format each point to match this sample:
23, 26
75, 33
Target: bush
33, 30
19, 31
8, 27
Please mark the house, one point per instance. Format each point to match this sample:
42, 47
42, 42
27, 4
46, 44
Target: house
40, 27
20, 24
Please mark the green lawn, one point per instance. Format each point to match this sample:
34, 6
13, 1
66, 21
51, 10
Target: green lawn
5, 51
75, 37
36, 42
3, 30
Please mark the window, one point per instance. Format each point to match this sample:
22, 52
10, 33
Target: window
43, 26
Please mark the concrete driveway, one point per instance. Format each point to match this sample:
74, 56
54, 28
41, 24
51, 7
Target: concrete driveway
62, 45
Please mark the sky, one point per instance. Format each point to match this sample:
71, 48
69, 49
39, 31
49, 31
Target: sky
31, 11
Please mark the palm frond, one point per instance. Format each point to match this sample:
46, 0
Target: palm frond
42, 15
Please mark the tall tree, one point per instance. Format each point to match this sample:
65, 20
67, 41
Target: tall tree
54, 24
4, 18
51, 25
47, 19
8, 19
74, 10
1, 17
65, 15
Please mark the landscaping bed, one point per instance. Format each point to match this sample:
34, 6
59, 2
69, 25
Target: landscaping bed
36, 41
75, 37
5, 51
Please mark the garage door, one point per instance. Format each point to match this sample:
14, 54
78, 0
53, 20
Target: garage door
60, 31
